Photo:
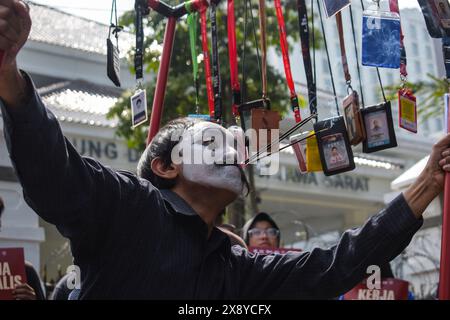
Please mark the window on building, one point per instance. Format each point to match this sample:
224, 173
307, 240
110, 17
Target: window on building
413, 31
418, 67
415, 50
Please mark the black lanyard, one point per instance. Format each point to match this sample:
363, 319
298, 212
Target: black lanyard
446, 52
304, 36
139, 7
215, 65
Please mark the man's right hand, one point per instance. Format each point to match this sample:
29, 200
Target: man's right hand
15, 26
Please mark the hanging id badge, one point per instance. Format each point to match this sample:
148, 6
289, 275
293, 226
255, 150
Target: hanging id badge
379, 127
381, 39
332, 6
139, 108
334, 147
312, 154
407, 110
113, 62
263, 122
353, 119
300, 150
245, 111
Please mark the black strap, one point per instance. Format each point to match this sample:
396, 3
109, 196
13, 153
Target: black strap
328, 57
304, 37
114, 25
140, 8
357, 57
249, 7
215, 65
446, 52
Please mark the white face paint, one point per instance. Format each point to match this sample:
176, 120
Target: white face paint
222, 149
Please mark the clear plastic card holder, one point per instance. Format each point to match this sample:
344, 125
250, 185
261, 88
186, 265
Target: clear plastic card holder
381, 39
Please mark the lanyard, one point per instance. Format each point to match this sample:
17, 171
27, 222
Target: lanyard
192, 21
304, 37
263, 39
215, 64
446, 52
328, 57
286, 62
393, 5
139, 56
347, 75
232, 55
209, 88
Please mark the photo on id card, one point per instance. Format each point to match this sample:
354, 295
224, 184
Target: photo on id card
139, 108
335, 151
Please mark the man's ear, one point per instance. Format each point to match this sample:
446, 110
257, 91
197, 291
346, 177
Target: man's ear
167, 172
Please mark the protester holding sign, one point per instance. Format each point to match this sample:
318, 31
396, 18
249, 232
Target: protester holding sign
25, 284
153, 236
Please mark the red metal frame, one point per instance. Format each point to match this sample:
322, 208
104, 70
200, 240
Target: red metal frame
444, 273
172, 13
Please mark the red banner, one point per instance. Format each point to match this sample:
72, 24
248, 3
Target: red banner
390, 289
266, 251
12, 271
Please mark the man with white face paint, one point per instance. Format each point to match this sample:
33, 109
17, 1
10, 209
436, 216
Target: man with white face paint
153, 236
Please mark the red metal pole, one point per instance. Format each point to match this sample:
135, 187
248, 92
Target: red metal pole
444, 276
161, 80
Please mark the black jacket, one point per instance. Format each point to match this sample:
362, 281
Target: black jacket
132, 240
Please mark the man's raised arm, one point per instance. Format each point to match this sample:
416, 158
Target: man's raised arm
64, 188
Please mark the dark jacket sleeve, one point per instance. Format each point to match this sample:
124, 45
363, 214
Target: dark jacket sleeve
78, 195
328, 273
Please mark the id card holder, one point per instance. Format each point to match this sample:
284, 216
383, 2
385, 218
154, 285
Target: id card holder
380, 133
245, 111
263, 122
407, 110
300, 151
437, 17
139, 113
381, 39
313, 162
335, 151
353, 119
332, 6
113, 62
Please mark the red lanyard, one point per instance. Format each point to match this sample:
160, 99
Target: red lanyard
347, 75
232, 55
393, 5
209, 85
287, 64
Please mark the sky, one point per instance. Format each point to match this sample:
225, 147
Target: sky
99, 10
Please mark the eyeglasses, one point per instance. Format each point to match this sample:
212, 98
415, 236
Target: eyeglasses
271, 232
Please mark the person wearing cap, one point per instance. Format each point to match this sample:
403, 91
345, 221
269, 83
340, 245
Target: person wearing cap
261, 231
